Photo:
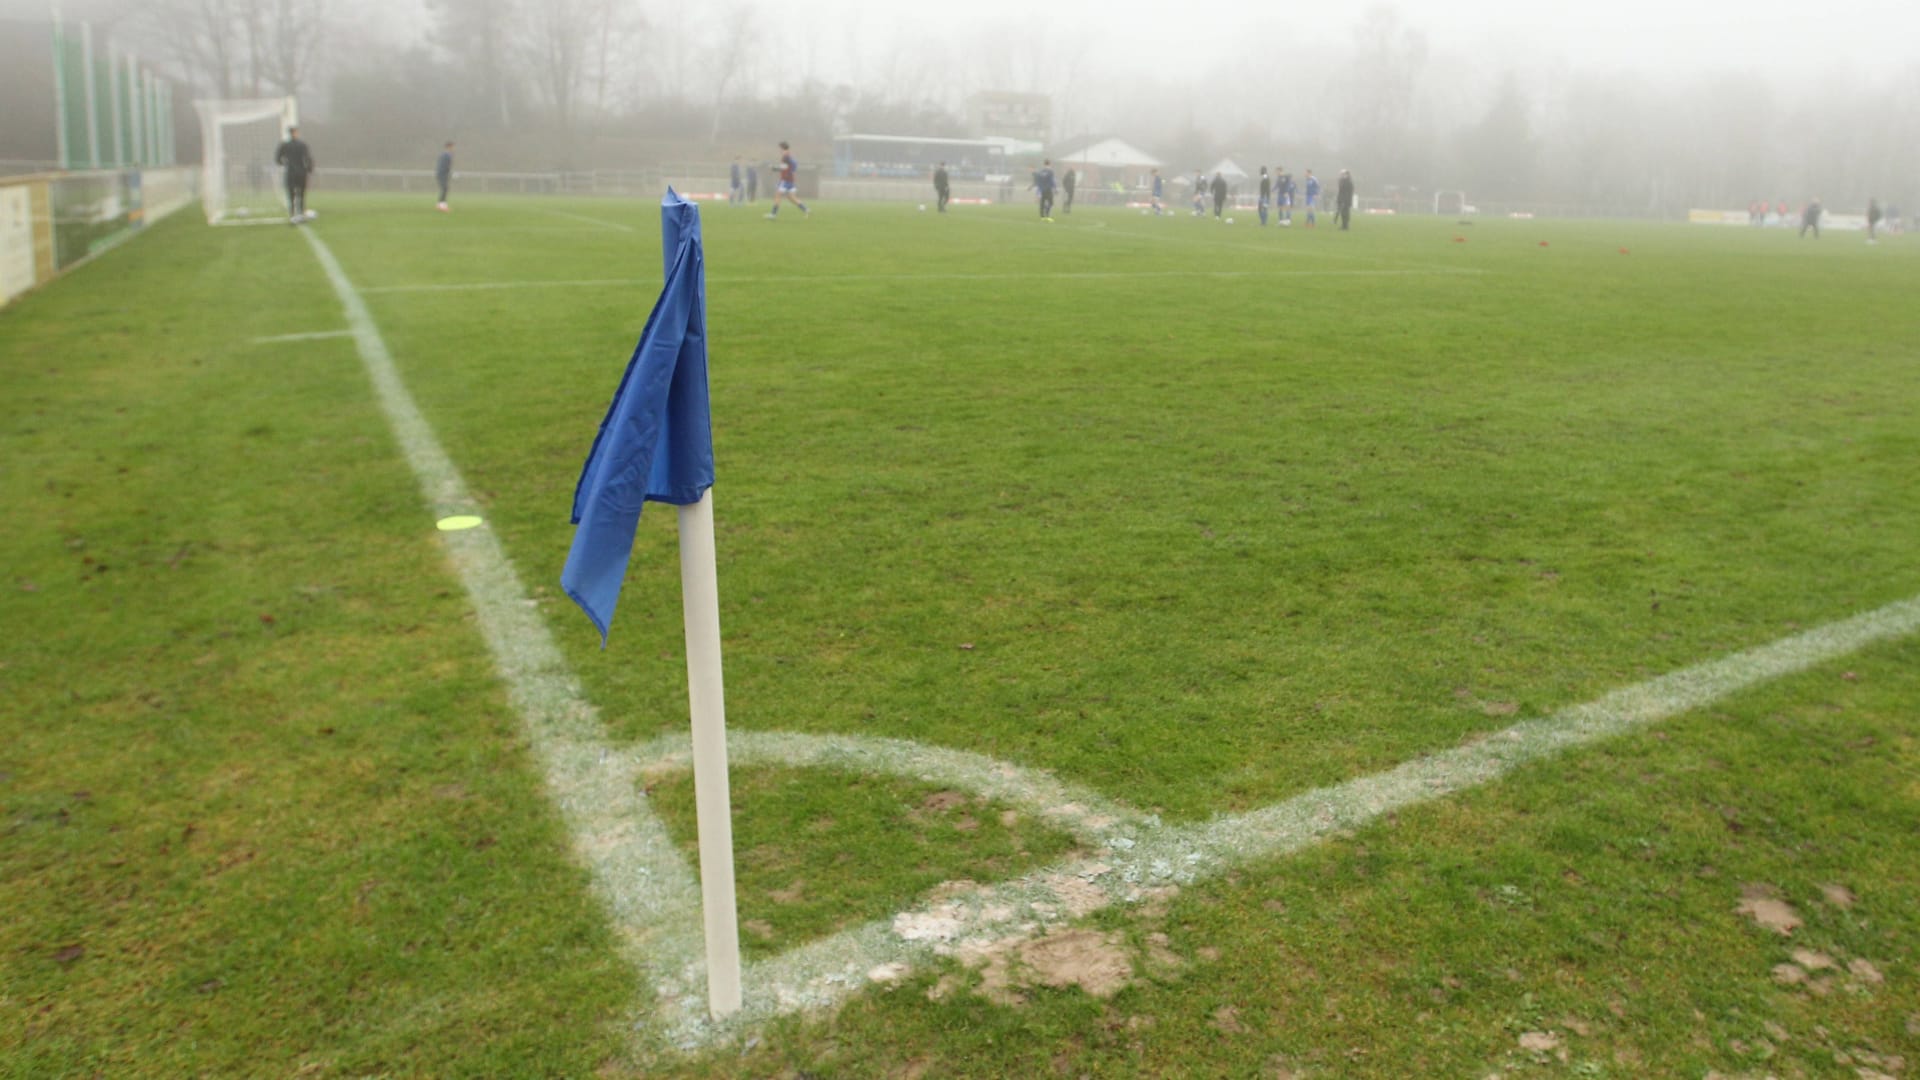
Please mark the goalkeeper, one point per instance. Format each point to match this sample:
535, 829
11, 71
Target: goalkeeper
294, 156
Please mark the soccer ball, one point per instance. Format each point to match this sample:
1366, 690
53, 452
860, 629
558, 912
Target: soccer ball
1229, 221
923, 208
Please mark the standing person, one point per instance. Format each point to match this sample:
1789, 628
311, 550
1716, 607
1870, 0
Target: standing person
736, 186
1810, 219
1199, 193
1159, 192
789, 168
1312, 196
443, 172
1219, 194
1266, 192
1283, 194
1873, 218
942, 186
1343, 200
1043, 183
1067, 185
753, 183
294, 156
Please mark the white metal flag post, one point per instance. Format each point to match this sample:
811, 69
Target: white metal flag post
700, 597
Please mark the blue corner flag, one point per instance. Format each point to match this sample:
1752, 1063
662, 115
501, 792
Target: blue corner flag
657, 439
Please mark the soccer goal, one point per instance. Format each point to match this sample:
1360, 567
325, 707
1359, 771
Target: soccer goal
242, 184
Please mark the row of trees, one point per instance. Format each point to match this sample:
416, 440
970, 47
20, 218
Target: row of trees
574, 83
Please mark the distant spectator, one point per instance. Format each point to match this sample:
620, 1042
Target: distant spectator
942, 186
1343, 200
1067, 184
1873, 218
753, 183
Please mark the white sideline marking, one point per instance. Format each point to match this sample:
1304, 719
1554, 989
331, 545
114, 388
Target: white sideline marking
317, 335
649, 890
1016, 275
603, 223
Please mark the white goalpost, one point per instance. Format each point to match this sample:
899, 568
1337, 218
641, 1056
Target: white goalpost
242, 184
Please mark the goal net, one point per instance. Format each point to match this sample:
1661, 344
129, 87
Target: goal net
242, 184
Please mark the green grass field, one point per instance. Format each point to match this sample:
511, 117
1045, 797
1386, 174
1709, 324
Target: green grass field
1196, 518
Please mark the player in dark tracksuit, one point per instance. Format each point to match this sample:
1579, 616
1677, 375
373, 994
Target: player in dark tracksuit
1219, 194
443, 172
1810, 219
1043, 183
294, 156
942, 187
1067, 183
1343, 200
1266, 193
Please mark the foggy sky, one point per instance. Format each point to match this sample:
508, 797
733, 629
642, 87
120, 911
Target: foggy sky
1646, 36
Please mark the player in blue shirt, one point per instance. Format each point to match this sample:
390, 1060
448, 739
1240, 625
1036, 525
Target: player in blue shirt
785, 188
1159, 192
1313, 195
1043, 183
1284, 193
736, 190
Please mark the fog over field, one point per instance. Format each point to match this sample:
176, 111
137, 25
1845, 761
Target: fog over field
1637, 105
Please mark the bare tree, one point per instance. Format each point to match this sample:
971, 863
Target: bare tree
475, 36
288, 46
557, 44
731, 57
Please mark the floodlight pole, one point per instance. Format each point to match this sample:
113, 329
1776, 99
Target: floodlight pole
700, 599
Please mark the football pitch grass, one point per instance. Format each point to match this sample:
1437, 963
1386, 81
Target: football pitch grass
1152, 524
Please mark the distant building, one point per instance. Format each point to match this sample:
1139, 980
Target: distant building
1027, 117
1108, 162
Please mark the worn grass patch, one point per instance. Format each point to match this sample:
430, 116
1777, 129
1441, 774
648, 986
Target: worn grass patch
817, 850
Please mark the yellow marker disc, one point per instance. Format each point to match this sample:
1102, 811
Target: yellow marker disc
457, 522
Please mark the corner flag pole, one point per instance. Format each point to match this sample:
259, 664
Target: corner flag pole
700, 598
656, 444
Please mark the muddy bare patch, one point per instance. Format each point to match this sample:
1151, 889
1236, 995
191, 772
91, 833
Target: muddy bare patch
1093, 961
1226, 1021
1539, 1042
789, 895
1839, 896
1763, 905
1811, 960
1865, 972
942, 801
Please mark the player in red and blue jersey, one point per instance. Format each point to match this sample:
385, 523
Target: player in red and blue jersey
784, 189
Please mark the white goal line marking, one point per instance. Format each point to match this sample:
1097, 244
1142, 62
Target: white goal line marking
652, 897
317, 335
1134, 853
602, 222
1013, 275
